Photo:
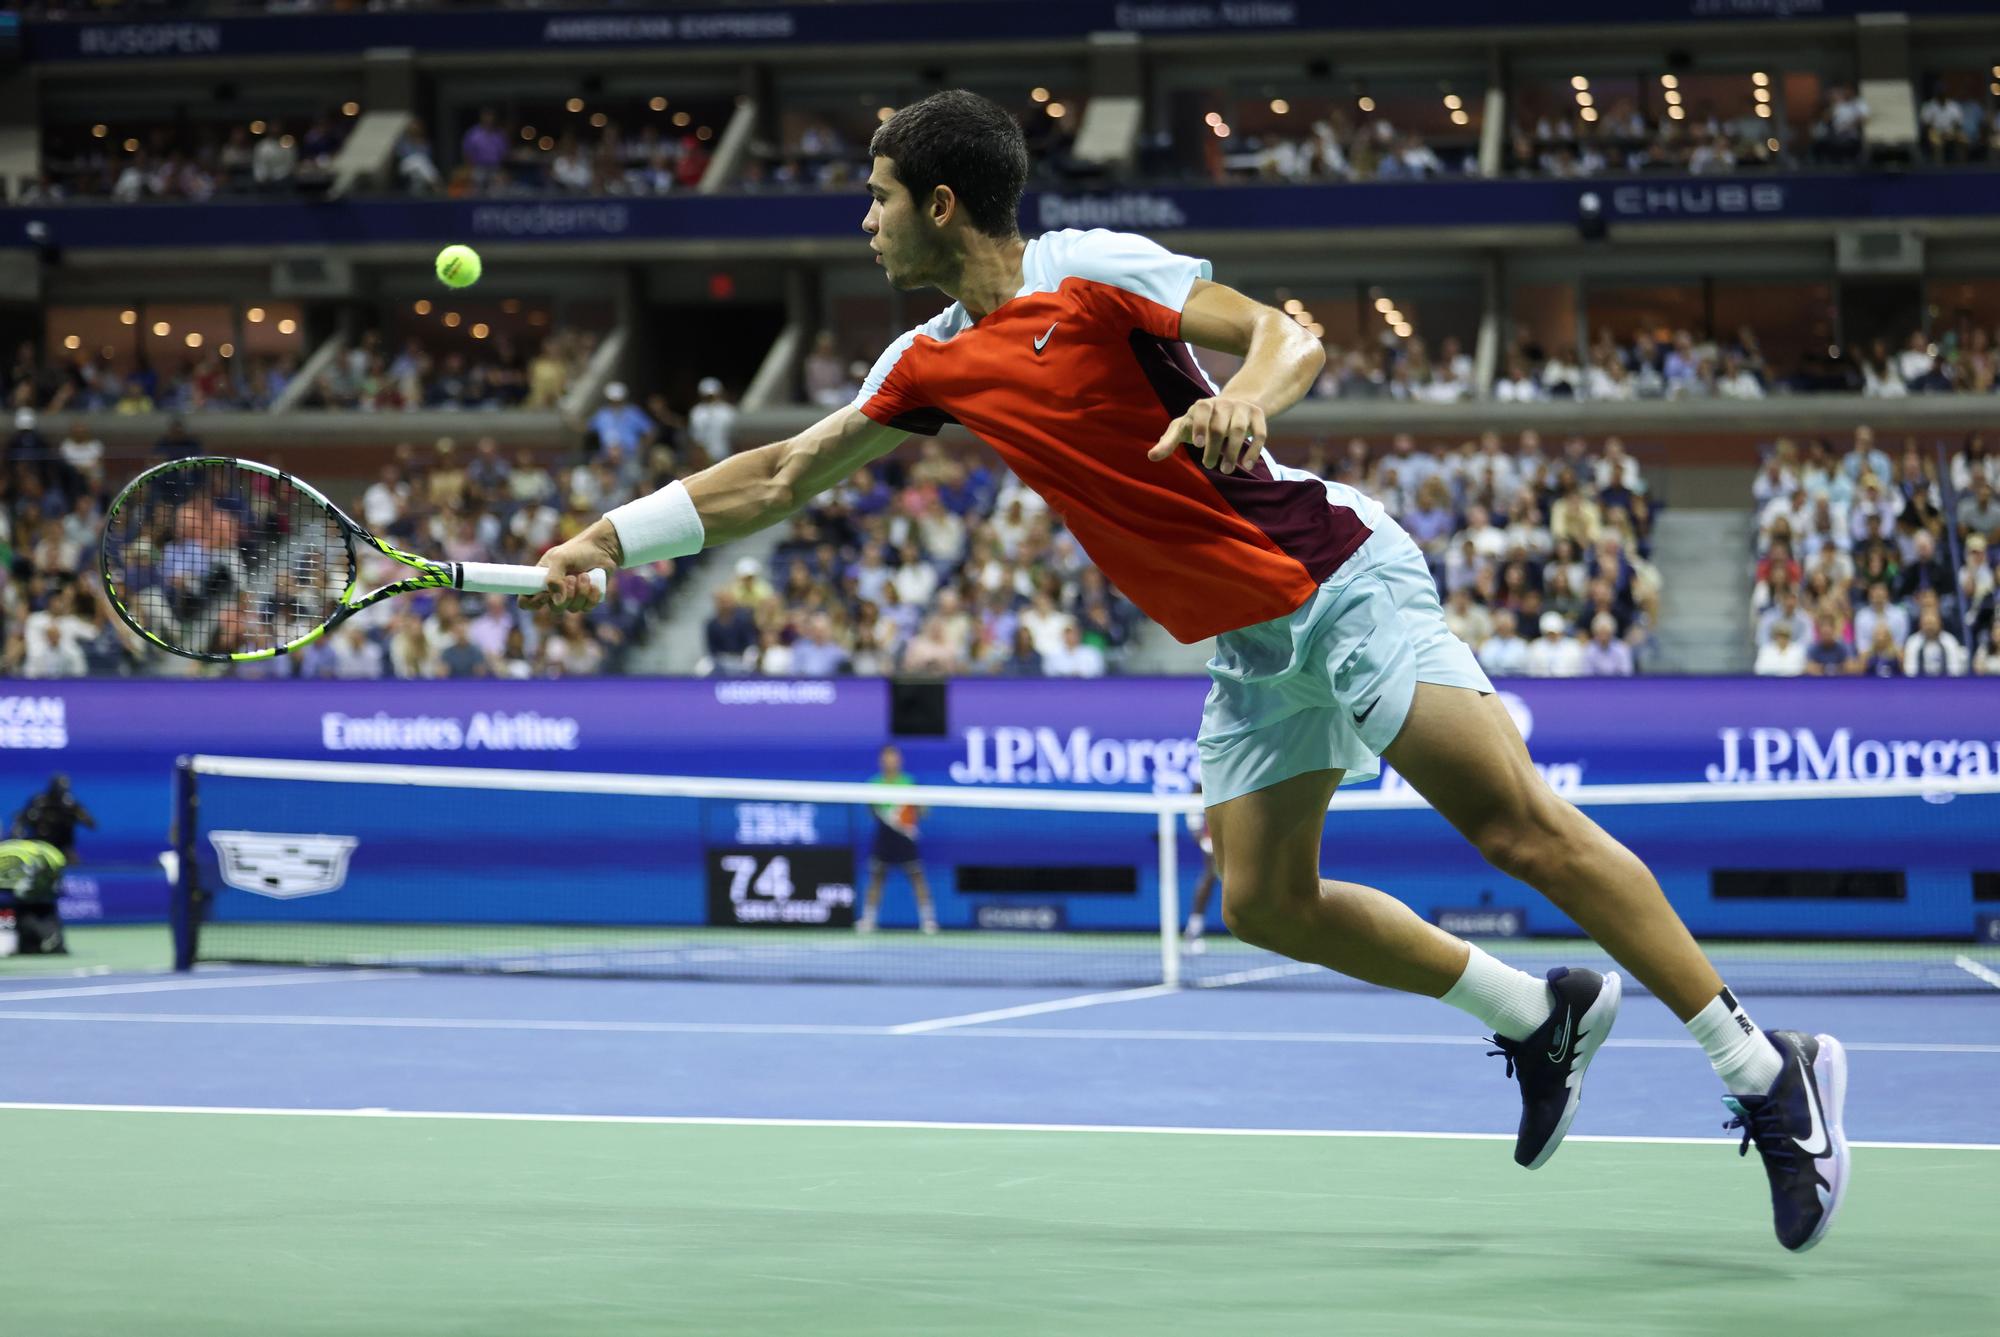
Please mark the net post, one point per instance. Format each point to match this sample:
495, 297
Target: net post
1170, 900
181, 915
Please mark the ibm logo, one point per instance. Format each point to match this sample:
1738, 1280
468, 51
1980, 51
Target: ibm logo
777, 824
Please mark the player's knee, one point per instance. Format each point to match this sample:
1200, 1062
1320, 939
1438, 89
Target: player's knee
1527, 845
1256, 913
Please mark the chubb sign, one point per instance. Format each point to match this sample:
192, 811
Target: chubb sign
1774, 756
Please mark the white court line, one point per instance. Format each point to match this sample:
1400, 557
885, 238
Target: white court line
917, 1125
184, 985
1035, 1009
876, 1032
1252, 976
1977, 971
453, 1023
75, 973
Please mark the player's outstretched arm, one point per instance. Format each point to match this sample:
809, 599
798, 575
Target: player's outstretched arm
747, 492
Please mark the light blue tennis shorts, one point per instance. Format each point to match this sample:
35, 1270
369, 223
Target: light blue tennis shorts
1328, 686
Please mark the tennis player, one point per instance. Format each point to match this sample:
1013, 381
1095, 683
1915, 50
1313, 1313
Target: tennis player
1069, 354
1194, 935
895, 846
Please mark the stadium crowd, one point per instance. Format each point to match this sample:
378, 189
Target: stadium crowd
86, 382
186, 160
1964, 359
1855, 557
368, 376
1541, 557
928, 567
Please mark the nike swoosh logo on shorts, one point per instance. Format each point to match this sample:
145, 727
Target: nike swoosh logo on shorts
1817, 1144
1042, 342
1361, 716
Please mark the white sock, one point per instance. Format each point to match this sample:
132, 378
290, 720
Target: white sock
1744, 1059
1195, 926
1512, 1002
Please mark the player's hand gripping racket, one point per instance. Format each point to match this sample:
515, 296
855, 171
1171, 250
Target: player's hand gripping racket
226, 560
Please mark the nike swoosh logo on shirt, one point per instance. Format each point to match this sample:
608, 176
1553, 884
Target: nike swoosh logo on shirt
1042, 342
1817, 1144
1361, 716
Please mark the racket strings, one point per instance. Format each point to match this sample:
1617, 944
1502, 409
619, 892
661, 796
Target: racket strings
219, 560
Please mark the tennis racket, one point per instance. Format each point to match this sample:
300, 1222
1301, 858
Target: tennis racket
226, 560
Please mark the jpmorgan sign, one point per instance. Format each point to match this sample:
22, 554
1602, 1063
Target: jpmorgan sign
1776, 756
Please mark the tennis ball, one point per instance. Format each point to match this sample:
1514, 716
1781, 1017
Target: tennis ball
458, 266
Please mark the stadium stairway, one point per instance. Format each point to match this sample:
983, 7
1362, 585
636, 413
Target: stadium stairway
676, 641
1704, 561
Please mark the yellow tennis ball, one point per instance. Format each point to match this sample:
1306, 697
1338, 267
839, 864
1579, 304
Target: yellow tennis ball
458, 266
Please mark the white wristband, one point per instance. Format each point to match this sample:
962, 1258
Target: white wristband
657, 526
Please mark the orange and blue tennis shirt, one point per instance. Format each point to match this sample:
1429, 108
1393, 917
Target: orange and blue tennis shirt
1072, 381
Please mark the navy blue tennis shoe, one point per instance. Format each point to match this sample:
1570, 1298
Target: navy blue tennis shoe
1550, 1063
1796, 1127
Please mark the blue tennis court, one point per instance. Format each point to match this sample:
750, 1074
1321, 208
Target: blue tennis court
795, 1143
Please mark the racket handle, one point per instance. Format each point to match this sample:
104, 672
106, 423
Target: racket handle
493, 578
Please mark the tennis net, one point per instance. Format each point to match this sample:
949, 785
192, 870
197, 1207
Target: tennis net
1809, 888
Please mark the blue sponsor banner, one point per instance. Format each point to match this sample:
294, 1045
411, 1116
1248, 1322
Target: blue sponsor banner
117, 740
1428, 204
922, 24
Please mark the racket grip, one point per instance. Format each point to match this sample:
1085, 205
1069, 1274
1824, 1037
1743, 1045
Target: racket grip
493, 578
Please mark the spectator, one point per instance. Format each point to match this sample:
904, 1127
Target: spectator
826, 380
1986, 660
414, 164
1074, 658
1828, 655
52, 652
1504, 654
623, 425
1976, 581
1915, 363
816, 654
460, 658
1606, 656
731, 636
1933, 652
1884, 656
712, 422
1924, 571
1781, 656
1023, 660
1838, 136
274, 161
1879, 612
1787, 611
931, 652
484, 147
1979, 509
1555, 653
83, 453
1468, 621
572, 652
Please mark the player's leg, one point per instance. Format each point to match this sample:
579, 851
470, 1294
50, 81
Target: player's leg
1462, 752
1267, 844
926, 912
871, 903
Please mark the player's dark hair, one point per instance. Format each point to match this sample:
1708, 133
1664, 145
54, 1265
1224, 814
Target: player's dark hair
962, 140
